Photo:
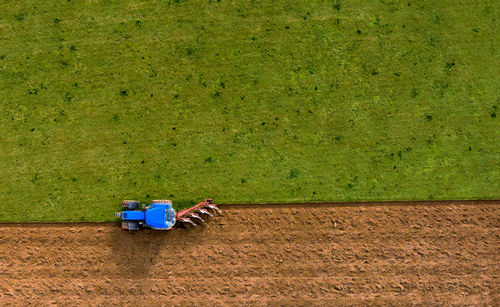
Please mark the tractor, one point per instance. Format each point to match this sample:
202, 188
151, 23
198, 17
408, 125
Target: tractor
160, 215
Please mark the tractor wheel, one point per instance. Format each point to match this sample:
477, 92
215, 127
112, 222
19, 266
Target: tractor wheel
161, 201
130, 225
130, 204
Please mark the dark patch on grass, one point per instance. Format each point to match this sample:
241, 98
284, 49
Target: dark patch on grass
116, 117
428, 118
68, 97
32, 129
57, 20
293, 173
433, 41
124, 93
437, 19
20, 17
209, 160
358, 31
449, 66
493, 115
72, 48
243, 180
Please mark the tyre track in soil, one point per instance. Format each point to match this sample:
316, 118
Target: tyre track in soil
414, 253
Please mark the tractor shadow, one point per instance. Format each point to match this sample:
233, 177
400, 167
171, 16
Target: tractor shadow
136, 253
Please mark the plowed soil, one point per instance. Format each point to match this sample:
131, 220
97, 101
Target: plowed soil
307, 255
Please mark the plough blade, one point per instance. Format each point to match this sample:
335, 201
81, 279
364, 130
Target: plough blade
214, 207
204, 211
188, 221
196, 216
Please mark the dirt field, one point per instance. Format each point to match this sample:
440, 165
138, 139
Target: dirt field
264, 255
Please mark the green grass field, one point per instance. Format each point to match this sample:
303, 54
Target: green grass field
245, 101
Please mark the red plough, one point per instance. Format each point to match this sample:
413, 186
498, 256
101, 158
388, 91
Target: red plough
194, 214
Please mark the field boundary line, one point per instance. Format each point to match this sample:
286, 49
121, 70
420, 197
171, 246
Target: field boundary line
391, 203
354, 204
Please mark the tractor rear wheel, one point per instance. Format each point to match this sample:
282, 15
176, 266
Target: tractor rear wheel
130, 225
130, 204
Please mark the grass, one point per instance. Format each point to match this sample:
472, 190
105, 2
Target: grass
245, 101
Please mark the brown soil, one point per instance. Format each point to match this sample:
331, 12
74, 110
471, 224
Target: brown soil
264, 255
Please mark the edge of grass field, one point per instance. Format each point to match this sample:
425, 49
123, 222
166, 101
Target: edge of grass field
390, 203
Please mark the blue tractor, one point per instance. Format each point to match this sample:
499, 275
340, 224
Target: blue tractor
160, 215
